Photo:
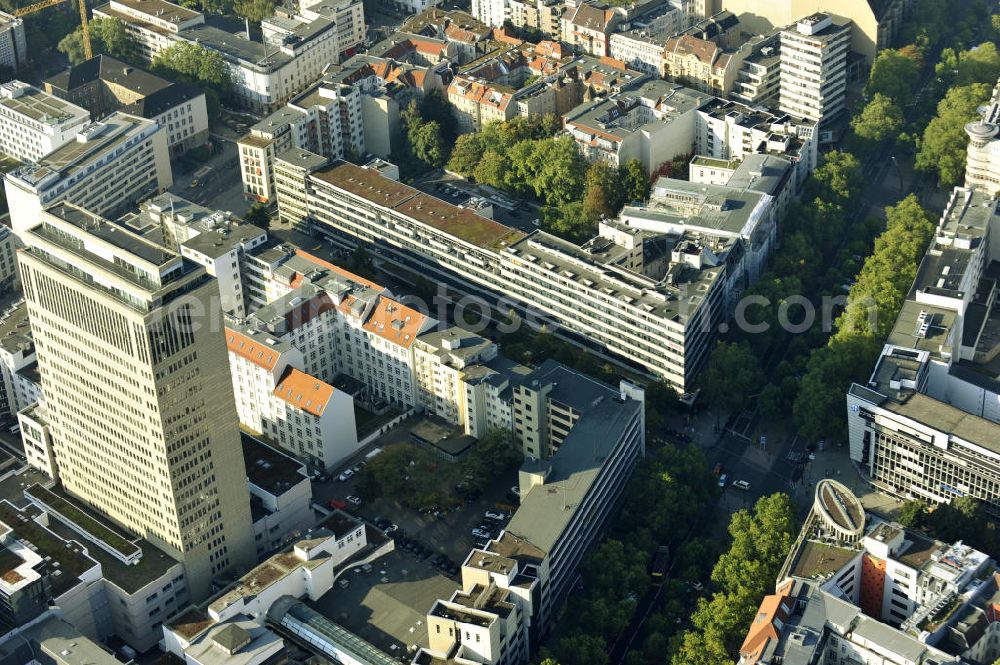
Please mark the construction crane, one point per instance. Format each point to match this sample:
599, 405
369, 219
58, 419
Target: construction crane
45, 4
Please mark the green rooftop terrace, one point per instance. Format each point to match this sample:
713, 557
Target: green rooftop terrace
62, 508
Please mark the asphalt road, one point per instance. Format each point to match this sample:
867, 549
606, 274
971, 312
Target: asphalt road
220, 187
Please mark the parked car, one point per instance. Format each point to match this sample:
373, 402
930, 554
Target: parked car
741, 485
718, 468
354, 500
345, 475
515, 490
336, 504
722, 481
479, 533
493, 515
392, 528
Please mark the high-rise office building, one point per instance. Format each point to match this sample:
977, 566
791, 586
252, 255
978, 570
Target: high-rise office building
137, 389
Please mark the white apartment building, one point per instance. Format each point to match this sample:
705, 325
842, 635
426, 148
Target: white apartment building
741, 224
303, 415
982, 165
490, 12
758, 81
731, 131
342, 323
33, 123
653, 122
221, 251
295, 50
8, 260
640, 50
813, 61
662, 320
280, 495
19, 380
13, 44
447, 362
36, 439
927, 423
111, 165
353, 110
211, 238
513, 587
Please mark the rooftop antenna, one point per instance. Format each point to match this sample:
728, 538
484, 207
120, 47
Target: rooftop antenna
246, 22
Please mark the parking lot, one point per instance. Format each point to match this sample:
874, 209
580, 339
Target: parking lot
455, 190
441, 538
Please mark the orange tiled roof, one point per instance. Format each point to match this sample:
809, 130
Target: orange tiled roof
395, 322
304, 391
550, 48
252, 350
763, 630
500, 35
460, 34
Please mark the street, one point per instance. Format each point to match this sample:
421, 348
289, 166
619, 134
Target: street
217, 183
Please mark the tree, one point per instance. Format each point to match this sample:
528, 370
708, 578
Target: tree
760, 542
435, 107
894, 75
107, 35
567, 221
491, 169
837, 180
195, 65
880, 119
980, 64
634, 182
912, 514
466, 153
942, 149
732, 375
561, 171
772, 402
428, 145
258, 216
254, 10
602, 192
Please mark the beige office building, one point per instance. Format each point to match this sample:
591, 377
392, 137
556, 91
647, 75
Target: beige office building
137, 389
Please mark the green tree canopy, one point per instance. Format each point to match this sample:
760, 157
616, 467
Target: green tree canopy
634, 181
743, 575
942, 149
894, 75
254, 10
107, 35
258, 216
837, 179
880, 119
732, 375
602, 192
195, 65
